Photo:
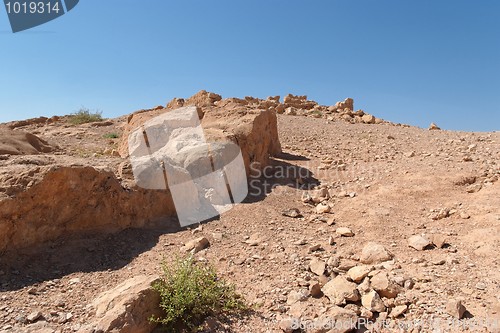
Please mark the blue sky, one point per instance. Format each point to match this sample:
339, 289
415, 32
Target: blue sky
413, 62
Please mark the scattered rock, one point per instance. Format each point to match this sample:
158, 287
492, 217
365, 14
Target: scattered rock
358, 273
433, 126
373, 302
368, 119
317, 266
455, 309
34, 316
384, 286
128, 307
438, 240
374, 253
339, 290
441, 214
315, 290
296, 296
344, 321
322, 208
418, 242
196, 245
398, 311
345, 232
292, 212
288, 325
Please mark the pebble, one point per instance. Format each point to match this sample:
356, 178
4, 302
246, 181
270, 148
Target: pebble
418, 242
345, 232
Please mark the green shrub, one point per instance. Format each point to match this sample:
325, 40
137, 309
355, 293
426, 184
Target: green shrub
190, 291
111, 136
84, 116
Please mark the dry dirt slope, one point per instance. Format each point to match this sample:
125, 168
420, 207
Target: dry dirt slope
385, 184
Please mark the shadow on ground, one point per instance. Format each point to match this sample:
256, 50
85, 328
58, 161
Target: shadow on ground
89, 253
280, 173
101, 252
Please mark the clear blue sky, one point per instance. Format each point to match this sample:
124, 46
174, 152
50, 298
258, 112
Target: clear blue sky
413, 62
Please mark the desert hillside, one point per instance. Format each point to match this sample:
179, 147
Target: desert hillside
349, 218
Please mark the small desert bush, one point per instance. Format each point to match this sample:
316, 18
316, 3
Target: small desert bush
111, 136
190, 291
84, 116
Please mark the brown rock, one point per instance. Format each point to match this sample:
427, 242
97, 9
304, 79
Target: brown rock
322, 208
373, 302
439, 240
315, 290
374, 253
433, 126
358, 273
335, 320
196, 245
384, 286
455, 308
398, 311
128, 307
368, 119
345, 232
254, 130
317, 266
339, 290
22, 143
418, 242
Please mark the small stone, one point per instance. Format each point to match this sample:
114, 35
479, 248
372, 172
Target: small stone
464, 216
330, 221
331, 240
433, 127
368, 119
218, 236
197, 230
398, 311
438, 262
345, 232
296, 296
364, 286
320, 195
455, 309
333, 262
74, 281
365, 313
384, 286
289, 325
418, 242
441, 214
196, 245
438, 240
346, 264
34, 316
292, 212
481, 286
339, 290
322, 208
339, 319
374, 253
314, 248
409, 284
238, 261
358, 273
317, 266
315, 290
373, 302
410, 154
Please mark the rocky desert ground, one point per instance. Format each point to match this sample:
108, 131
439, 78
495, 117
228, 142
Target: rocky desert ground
350, 220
